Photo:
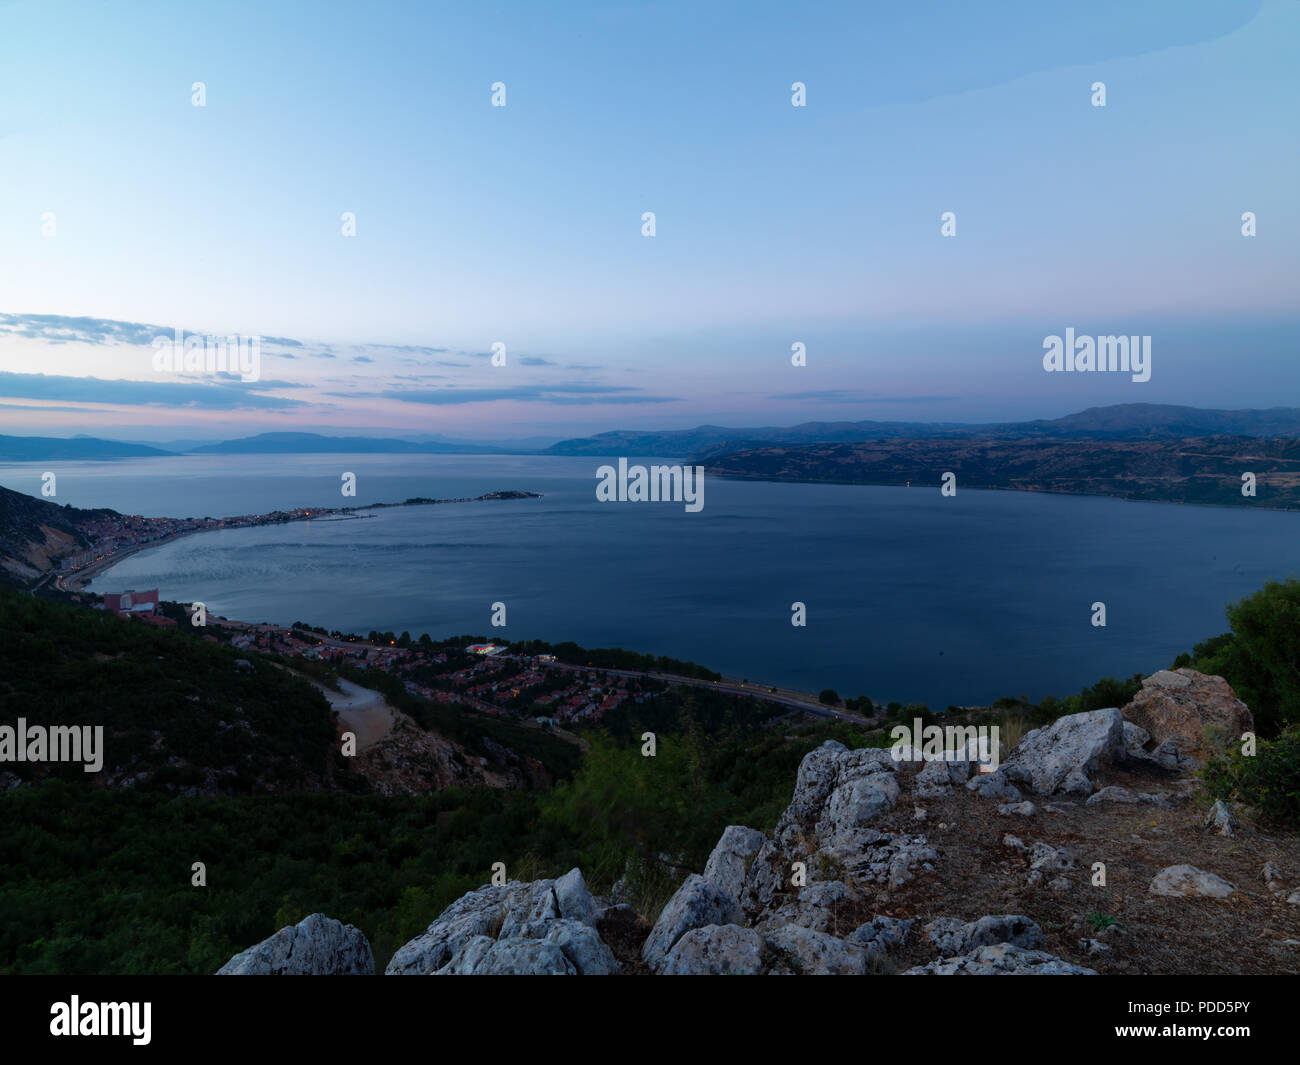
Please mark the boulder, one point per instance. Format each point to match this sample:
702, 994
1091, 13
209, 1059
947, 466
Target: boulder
814, 906
828, 826
933, 781
1186, 880
583, 947
862, 792
1135, 737
836, 793
513, 956
1001, 959
881, 935
1044, 858
1114, 793
731, 858
1168, 756
1221, 820
996, 786
572, 898
315, 946
477, 913
812, 787
1189, 708
545, 926
716, 950
528, 909
804, 952
698, 902
1060, 757
954, 937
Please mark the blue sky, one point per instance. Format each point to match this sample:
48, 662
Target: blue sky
522, 224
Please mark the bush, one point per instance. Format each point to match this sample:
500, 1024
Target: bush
829, 697
1268, 781
1260, 659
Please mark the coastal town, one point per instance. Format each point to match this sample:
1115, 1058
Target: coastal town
487, 677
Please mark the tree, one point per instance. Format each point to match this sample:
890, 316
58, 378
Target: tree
829, 697
1262, 661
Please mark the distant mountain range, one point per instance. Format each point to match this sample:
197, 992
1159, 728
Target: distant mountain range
1126, 421
40, 448
315, 444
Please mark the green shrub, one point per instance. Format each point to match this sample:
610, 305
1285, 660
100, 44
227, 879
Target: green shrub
1269, 780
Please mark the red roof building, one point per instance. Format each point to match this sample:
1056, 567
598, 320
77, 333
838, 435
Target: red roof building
129, 604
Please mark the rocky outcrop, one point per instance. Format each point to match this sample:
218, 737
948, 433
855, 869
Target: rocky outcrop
1198, 713
1060, 758
1002, 959
716, 950
732, 857
828, 830
315, 946
804, 952
881, 935
953, 937
513, 956
996, 786
546, 926
782, 903
697, 903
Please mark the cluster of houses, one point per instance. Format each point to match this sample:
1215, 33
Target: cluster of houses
119, 532
122, 531
587, 700
486, 683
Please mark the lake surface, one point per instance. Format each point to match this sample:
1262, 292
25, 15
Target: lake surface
909, 595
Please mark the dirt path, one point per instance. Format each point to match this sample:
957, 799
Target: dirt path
361, 710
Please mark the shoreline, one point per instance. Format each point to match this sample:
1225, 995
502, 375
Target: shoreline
75, 581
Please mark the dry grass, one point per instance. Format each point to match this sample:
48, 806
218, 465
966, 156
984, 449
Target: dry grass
1011, 729
977, 875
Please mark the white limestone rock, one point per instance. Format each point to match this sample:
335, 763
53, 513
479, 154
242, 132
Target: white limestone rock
315, 946
698, 902
731, 858
716, 950
1001, 959
573, 899
1187, 880
953, 936
804, 952
1060, 757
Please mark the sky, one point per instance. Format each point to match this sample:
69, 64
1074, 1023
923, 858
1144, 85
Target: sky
127, 212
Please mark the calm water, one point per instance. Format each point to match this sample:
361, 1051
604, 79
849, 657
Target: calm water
910, 596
